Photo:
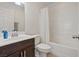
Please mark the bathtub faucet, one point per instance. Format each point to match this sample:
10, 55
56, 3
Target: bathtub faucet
76, 37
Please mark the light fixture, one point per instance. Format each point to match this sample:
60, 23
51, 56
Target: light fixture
19, 3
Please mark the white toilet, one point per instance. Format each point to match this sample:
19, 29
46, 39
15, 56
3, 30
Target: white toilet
42, 48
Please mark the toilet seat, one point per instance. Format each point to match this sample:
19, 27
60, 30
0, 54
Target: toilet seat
43, 47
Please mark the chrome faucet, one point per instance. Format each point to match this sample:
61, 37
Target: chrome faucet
75, 37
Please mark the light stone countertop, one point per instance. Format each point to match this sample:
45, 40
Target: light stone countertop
4, 42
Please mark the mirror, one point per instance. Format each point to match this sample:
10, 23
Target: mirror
12, 16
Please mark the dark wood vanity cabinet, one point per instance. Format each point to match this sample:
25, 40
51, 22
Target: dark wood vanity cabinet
24, 48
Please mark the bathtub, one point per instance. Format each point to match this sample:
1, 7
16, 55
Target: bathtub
59, 50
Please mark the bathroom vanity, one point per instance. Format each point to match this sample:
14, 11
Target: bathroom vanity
23, 47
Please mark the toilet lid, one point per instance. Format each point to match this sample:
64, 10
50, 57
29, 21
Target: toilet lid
43, 46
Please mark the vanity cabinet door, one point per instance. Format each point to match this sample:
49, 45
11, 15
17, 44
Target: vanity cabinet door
26, 52
16, 54
20, 49
29, 51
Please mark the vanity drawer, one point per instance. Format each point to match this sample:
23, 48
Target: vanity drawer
16, 47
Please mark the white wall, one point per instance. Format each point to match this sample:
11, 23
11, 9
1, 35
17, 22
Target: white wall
31, 18
64, 23
10, 13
